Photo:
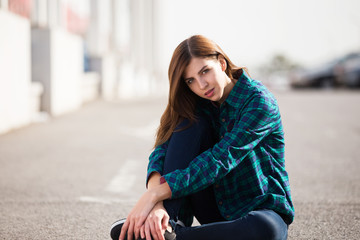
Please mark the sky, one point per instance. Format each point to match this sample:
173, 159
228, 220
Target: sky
308, 32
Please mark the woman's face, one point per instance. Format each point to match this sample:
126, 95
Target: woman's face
206, 77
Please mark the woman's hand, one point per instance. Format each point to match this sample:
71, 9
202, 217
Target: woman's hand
138, 215
156, 223
140, 212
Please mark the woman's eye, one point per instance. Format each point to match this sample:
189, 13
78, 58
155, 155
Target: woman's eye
189, 81
205, 71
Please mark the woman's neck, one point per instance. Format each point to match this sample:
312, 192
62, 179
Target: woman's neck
227, 90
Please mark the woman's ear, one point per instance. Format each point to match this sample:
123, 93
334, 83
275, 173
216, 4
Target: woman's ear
223, 63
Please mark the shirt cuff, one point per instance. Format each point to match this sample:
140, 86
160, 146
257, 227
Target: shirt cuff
162, 180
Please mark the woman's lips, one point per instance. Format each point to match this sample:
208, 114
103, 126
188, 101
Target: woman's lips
210, 93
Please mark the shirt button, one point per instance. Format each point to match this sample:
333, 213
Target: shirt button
217, 185
223, 120
222, 137
227, 216
220, 202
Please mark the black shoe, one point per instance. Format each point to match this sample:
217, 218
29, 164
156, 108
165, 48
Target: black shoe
115, 229
169, 233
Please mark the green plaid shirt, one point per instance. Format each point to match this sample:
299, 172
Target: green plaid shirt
246, 167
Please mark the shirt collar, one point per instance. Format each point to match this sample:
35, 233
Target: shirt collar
240, 91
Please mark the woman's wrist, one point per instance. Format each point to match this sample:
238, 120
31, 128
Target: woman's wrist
159, 204
152, 196
160, 192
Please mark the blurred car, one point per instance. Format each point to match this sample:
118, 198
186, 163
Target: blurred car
349, 73
327, 75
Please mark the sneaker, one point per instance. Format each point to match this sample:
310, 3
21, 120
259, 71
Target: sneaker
116, 229
169, 233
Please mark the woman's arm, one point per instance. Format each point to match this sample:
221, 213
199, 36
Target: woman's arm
158, 219
156, 160
153, 180
160, 192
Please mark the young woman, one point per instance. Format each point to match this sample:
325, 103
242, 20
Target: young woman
219, 156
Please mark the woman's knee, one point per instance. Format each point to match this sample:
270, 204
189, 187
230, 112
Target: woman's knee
268, 225
200, 126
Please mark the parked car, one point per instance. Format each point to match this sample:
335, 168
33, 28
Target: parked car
349, 74
325, 75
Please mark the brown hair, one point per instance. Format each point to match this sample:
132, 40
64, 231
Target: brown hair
182, 100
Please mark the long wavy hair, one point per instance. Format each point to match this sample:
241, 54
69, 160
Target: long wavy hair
182, 101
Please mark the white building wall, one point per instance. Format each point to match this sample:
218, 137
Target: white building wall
106, 68
100, 45
121, 39
136, 68
98, 34
4, 4
121, 25
66, 71
57, 62
39, 16
160, 49
121, 44
15, 82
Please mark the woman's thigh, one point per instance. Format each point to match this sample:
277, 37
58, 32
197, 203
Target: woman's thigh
260, 224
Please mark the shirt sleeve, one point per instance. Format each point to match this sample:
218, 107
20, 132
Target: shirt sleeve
156, 160
258, 118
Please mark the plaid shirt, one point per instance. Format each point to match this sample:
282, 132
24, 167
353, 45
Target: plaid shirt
246, 167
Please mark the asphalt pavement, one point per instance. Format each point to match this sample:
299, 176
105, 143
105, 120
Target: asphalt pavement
71, 177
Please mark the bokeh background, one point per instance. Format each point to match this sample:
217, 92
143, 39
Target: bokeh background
83, 84
59, 54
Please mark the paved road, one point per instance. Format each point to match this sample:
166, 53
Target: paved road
72, 177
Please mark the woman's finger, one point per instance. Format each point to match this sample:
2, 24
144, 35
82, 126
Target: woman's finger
142, 231
137, 227
147, 231
158, 228
138, 224
165, 221
130, 232
124, 230
153, 230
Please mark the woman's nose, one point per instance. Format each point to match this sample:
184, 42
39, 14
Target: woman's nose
202, 84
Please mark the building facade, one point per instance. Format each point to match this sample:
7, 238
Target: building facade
58, 54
